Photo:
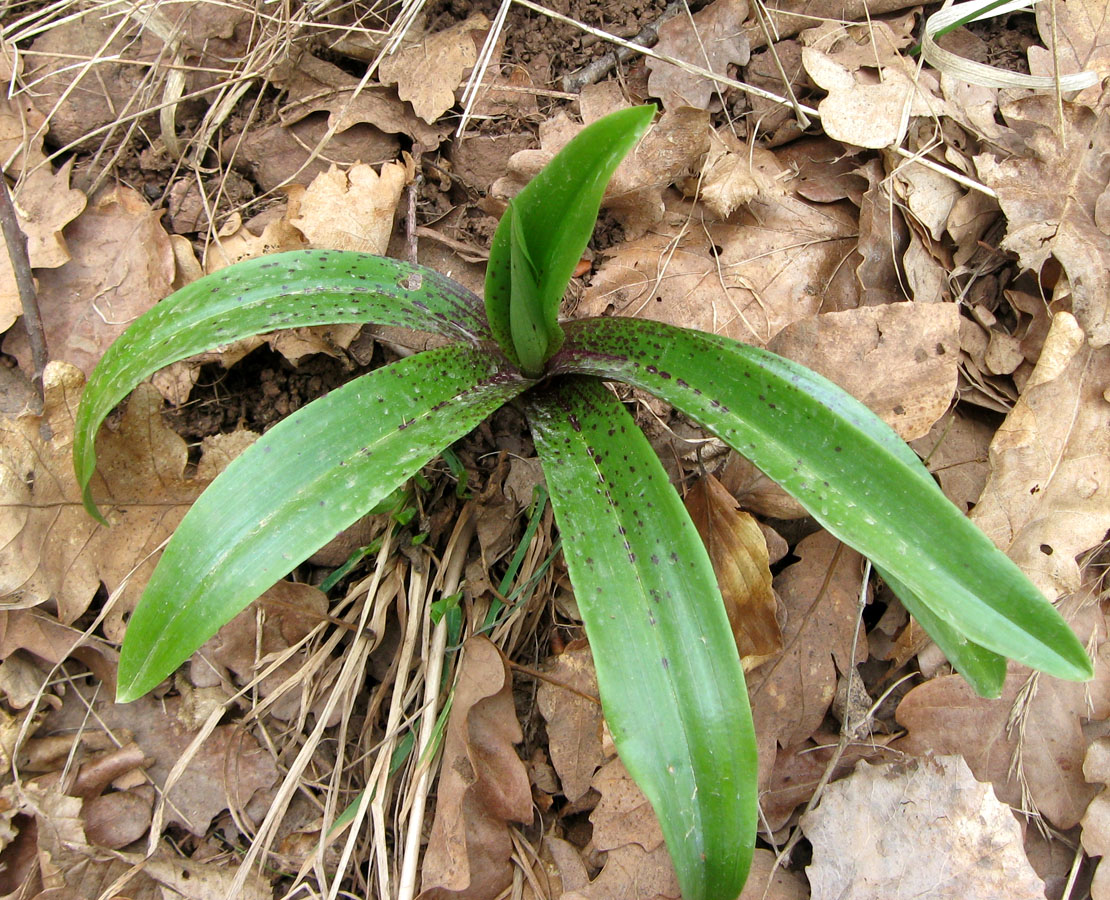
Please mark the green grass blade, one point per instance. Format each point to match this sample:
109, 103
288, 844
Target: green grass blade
557, 212
303, 287
667, 666
847, 467
294, 489
983, 670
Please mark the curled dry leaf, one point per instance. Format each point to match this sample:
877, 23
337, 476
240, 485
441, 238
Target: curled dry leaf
919, 828
712, 39
574, 721
1051, 195
1029, 743
734, 174
483, 784
122, 264
1048, 497
428, 73
738, 552
915, 347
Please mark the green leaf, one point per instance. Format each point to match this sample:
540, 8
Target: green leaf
557, 212
667, 665
847, 467
531, 334
299, 485
286, 290
983, 670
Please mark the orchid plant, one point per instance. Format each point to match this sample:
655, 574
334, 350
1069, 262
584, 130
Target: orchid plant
668, 671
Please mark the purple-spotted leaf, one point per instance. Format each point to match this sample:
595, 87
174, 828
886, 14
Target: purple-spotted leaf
847, 467
286, 290
668, 670
296, 487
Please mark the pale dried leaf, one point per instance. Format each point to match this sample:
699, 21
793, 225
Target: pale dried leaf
19, 122
351, 210
955, 451
45, 204
428, 74
1048, 497
914, 345
916, 829
1049, 195
1076, 38
632, 873
623, 815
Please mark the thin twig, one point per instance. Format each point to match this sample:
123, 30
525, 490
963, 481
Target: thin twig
16, 242
595, 71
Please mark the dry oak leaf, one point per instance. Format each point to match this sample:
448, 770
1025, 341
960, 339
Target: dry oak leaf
574, 721
1030, 742
791, 694
1055, 198
632, 873
734, 174
901, 359
313, 85
923, 829
351, 210
738, 551
955, 451
20, 136
483, 784
122, 264
712, 39
774, 263
51, 550
1048, 497
428, 74
229, 766
1076, 38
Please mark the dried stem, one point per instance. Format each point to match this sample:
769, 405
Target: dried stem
16, 242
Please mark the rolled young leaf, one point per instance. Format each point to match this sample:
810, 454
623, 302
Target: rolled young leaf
667, 666
557, 212
285, 290
293, 490
849, 470
532, 335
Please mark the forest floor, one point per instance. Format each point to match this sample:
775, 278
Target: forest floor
939, 248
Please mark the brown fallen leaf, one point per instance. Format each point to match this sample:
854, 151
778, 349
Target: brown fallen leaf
1076, 39
637, 865
914, 345
772, 264
20, 137
48, 639
735, 174
428, 73
45, 204
53, 551
122, 264
574, 722
1048, 497
228, 768
711, 39
1030, 742
738, 552
1051, 194
483, 784
955, 451
791, 693
913, 829
766, 881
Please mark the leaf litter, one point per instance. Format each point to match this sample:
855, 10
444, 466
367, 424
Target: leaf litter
428, 724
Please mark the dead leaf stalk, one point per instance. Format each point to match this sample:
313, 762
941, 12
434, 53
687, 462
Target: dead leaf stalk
16, 242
